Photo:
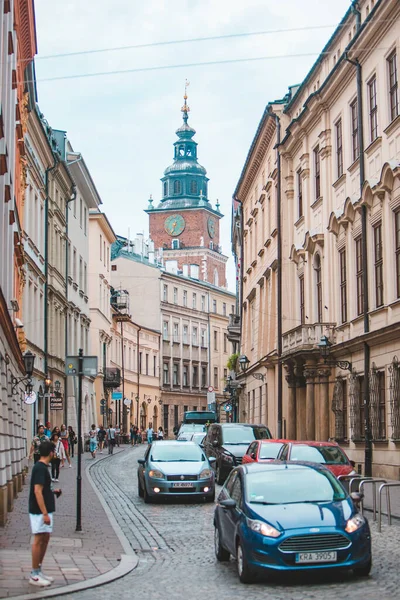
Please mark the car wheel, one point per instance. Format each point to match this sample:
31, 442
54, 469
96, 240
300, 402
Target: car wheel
147, 499
218, 475
220, 552
210, 498
244, 571
140, 491
363, 571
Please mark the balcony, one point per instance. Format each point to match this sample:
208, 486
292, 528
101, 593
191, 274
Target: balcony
304, 337
112, 377
234, 329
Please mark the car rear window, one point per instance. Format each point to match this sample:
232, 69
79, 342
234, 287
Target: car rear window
270, 450
244, 435
186, 452
326, 455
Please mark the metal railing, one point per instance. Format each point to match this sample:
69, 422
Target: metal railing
386, 486
360, 489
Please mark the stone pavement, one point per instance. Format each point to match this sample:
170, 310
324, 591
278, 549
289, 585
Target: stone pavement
72, 557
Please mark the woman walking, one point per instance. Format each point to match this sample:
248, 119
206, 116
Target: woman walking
160, 433
93, 441
59, 457
71, 441
64, 439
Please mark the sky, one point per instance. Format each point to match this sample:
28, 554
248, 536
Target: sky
124, 123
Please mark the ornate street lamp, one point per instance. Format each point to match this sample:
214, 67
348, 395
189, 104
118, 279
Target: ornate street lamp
324, 347
29, 363
244, 364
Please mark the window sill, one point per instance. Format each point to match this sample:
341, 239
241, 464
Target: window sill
317, 203
261, 252
373, 146
339, 181
392, 126
354, 166
299, 221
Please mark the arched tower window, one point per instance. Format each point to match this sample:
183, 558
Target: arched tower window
193, 187
318, 284
165, 188
181, 150
177, 187
189, 151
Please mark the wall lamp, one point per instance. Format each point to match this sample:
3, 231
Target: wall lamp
244, 363
324, 347
29, 363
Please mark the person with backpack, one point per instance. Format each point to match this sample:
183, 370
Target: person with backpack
36, 441
111, 439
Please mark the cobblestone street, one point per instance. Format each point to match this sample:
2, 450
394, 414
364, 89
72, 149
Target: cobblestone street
174, 542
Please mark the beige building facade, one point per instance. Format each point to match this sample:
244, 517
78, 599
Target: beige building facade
340, 160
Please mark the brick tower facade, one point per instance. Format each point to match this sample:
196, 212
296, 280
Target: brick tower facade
185, 227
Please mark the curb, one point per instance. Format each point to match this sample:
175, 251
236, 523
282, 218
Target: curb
129, 560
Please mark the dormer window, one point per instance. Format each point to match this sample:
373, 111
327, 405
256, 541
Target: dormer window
165, 189
193, 187
175, 244
177, 187
189, 151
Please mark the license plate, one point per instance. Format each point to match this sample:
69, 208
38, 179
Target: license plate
316, 557
182, 485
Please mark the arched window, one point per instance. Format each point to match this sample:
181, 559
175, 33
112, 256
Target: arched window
193, 187
165, 189
181, 150
318, 283
177, 187
189, 151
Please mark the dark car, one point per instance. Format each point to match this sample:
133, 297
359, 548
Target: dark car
290, 517
228, 442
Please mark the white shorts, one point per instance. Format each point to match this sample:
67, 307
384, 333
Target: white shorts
38, 525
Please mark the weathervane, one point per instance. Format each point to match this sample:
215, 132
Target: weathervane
185, 108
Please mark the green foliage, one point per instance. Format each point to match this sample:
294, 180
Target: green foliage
232, 362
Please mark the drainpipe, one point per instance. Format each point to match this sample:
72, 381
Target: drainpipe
73, 197
139, 329
364, 223
46, 283
279, 277
239, 299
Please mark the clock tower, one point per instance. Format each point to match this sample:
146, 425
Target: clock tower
184, 226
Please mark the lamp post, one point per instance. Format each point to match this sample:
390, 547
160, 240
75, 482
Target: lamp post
47, 384
137, 411
29, 363
324, 347
244, 364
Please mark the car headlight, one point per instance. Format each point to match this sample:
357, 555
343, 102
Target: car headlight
263, 528
227, 458
354, 523
155, 474
205, 474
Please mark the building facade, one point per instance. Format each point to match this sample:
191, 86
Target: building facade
339, 176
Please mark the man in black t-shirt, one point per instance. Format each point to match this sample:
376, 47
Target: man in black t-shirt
41, 508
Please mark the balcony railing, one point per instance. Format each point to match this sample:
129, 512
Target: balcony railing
234, 328
112, 377
304, 337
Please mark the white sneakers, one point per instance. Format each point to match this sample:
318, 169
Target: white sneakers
39, 580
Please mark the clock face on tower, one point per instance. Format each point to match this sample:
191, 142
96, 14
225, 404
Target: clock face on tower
174, 225
211, 227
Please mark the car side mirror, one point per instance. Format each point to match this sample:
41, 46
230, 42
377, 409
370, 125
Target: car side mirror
141, 461
212, 459
253, 455
357, 497
215, 443
228, 504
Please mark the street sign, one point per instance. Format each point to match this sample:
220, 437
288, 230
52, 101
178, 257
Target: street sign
56, 402
103, 402
227, 408
127, 402
30, 398
89, 366
210, 389
116, 396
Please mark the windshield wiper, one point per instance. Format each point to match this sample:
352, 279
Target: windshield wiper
262, 502
235, 443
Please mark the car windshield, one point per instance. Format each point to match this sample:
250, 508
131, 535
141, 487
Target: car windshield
178, 453
270, 450
198, 438
326, 455
191, 427
244, 435
292, 486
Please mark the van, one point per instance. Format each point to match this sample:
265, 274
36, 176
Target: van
199, 416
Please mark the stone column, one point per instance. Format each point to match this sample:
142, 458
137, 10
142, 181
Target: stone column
292, 412
310, 373
324, 373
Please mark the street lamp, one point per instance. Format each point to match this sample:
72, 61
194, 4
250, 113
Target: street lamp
324, 347
244, 363
29, 363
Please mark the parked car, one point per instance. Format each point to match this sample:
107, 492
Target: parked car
189, 428
291, 517
228, 442
192, 437
263, 451
326, 453
172, 468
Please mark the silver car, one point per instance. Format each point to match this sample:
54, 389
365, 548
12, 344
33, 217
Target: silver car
172, 468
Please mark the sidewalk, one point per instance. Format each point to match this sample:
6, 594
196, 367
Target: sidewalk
72, 557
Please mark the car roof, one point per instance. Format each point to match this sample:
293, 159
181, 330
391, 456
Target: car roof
312, 443
240, 424
272, 440
173, 443
278, 465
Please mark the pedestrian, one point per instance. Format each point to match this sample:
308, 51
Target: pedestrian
36, 441
58, 457
93, 441
101, 436
47, 429
117, 434
160, 433
64, 438
56, 430
72, 440
150, 433
111, 439
41, 510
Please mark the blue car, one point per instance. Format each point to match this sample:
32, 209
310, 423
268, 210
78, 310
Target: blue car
172, 468
292, 516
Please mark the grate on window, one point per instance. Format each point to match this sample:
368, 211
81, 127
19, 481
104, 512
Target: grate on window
394, 370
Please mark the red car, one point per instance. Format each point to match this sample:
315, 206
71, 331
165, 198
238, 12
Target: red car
325, 453
263, 451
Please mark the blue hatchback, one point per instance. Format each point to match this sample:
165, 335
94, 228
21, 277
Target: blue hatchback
290, 516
